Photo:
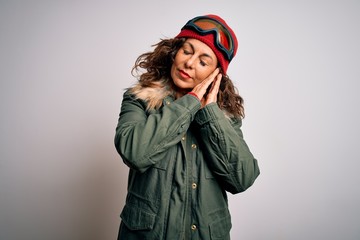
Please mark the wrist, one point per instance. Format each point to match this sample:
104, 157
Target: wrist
194, 94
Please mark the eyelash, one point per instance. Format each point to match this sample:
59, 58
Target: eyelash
186, 52
202, 63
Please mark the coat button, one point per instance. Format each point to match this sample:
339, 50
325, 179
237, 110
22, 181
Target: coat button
194, 185
193, 227
193, 145
183, 138
167, 102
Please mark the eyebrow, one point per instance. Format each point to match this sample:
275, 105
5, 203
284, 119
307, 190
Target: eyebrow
203, 55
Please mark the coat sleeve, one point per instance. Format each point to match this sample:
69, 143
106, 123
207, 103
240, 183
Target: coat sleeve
225, 150
141, 137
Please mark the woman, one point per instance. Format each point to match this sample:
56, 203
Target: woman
179, 133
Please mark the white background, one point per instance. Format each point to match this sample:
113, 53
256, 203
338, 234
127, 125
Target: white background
65, 64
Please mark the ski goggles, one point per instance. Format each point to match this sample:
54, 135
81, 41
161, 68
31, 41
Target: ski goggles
223, 39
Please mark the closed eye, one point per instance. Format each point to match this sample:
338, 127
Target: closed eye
202, 63
186, 52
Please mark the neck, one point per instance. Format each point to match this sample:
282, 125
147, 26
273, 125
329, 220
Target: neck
179, 92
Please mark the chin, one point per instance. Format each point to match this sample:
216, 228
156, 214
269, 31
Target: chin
182, 85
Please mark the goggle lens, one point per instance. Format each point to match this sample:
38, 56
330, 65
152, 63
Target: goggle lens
223, 38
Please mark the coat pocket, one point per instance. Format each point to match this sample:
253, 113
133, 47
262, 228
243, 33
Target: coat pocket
208, 173
137, 219
220, 229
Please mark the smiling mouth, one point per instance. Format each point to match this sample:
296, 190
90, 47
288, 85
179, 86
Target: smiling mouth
184, 74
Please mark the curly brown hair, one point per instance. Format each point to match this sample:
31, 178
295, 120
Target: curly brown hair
157, 65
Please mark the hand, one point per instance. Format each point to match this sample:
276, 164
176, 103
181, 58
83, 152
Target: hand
214, 90
201, 88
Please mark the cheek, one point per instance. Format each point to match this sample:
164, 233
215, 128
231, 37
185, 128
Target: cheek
175, 64
177, 57
172, 70
202, 75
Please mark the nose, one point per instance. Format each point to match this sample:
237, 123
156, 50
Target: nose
189, 63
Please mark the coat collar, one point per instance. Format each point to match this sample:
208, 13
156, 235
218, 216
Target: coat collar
153, 95
156, 95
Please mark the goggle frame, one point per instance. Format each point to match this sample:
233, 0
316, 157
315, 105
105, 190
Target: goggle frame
191, 24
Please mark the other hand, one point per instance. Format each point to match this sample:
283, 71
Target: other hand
208, 89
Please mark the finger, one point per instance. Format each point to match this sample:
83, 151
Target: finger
216, 84
212, 77
214, 74
212, 96
202, 87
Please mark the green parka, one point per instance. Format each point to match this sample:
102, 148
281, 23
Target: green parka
182, 160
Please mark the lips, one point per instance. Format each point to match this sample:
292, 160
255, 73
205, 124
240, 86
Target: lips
183, 74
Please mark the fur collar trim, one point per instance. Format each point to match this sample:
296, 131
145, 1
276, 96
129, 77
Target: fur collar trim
152, 95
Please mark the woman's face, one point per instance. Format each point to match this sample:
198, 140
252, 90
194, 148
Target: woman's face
193, 63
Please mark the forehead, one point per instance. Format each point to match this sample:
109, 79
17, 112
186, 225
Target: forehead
199, 46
